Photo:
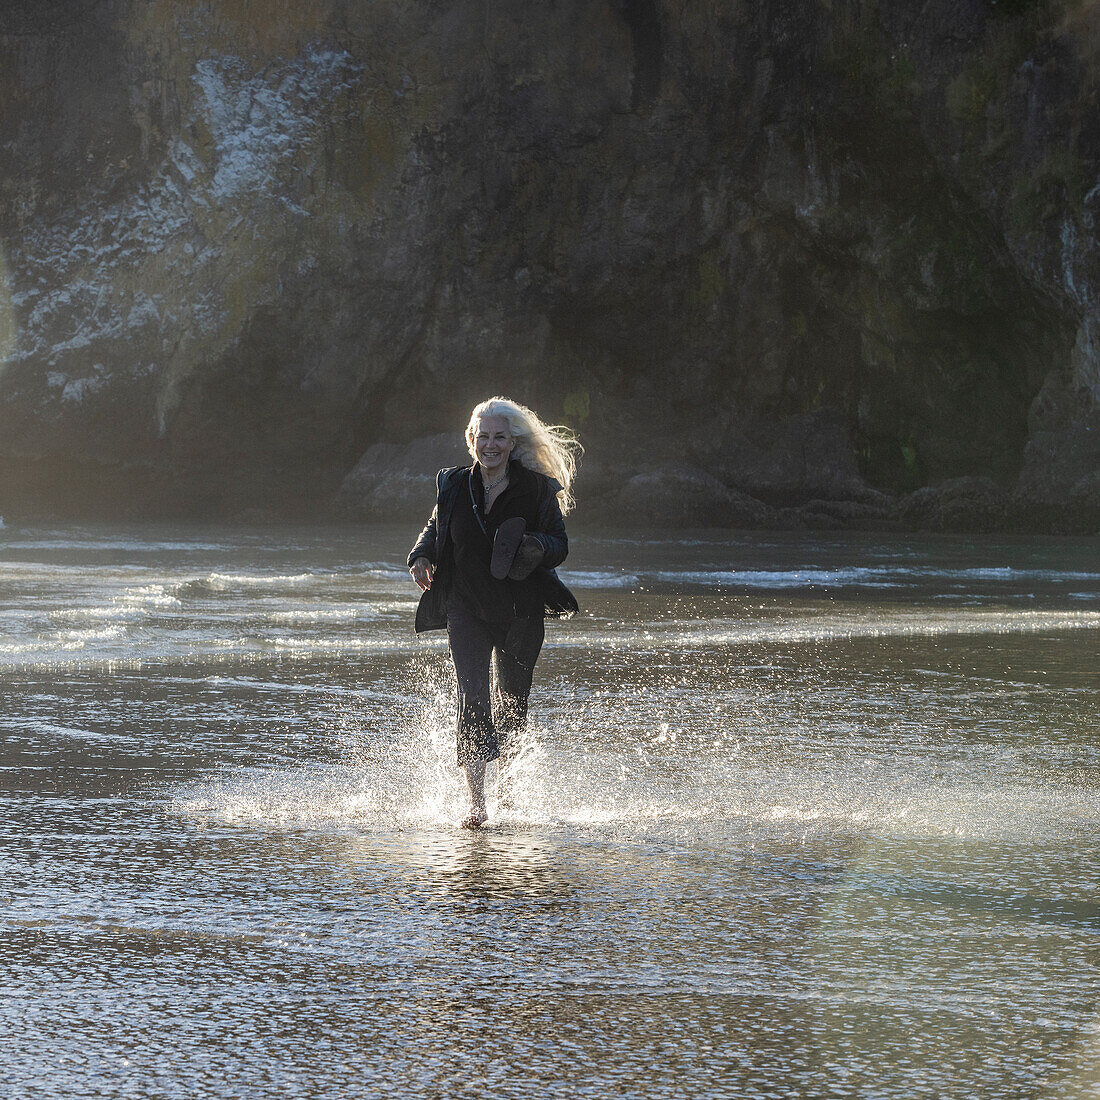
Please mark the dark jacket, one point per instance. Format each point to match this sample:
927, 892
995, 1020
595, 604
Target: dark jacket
558, 601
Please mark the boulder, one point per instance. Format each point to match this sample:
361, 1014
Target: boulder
679, 495
1056, 487
874, 512
965, 504
397, 480
1084, 503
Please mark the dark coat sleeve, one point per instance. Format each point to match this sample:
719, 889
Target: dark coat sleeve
551, 532
426, 541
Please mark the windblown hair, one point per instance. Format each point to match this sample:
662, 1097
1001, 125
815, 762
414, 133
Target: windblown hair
551, 449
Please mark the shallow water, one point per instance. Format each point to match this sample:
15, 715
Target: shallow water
796, 817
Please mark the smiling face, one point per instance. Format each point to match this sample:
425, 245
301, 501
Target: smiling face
492, 444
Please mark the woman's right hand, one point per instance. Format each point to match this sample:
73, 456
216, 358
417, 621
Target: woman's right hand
422, 571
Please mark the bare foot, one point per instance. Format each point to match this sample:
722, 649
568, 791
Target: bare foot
476, 817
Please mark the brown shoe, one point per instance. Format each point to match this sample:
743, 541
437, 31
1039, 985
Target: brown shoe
505, 544
528, 558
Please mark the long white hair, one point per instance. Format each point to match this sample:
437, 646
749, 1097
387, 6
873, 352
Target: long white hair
551, 449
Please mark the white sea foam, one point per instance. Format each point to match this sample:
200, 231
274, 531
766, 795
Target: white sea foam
151, 546
860, 576
216, 583
85, 614
827, 627
1008, 574
151, 595
282, 686
78, 639
315, 644
383, 571
588, 578
304, 616
52, 730
795, 578
40, 570
261, 580
18, 649
132, 603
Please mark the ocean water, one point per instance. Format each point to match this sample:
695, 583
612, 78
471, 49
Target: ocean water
795, 817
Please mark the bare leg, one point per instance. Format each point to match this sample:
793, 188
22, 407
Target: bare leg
475, 780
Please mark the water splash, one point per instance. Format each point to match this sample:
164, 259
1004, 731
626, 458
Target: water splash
604, 764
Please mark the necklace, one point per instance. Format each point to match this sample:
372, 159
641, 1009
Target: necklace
491, 485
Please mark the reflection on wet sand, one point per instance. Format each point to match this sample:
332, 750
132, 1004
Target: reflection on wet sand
494, 865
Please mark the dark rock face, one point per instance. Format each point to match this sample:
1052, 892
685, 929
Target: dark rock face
785, 257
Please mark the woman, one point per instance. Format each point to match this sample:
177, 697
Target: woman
485, 566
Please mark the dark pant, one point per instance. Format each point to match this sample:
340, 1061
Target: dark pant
487, 712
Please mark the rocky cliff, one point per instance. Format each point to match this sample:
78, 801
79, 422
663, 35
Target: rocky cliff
778, 262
